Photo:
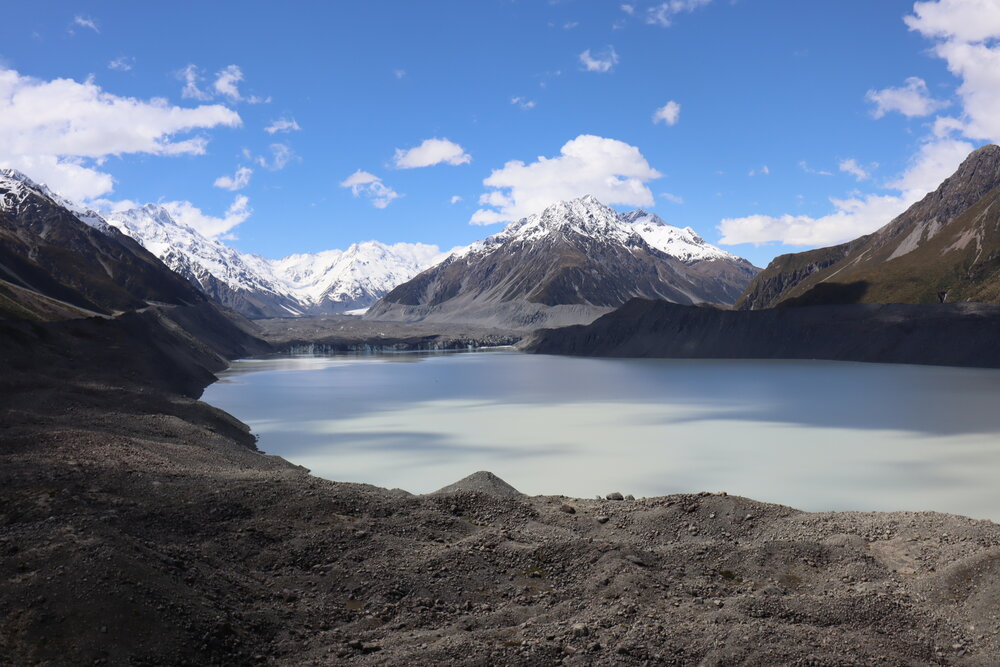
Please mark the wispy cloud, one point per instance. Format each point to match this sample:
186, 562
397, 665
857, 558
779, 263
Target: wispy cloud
602, 61
911, 100
804, 166
663, 13
669, 113
852, 167
86, 22
282, 125
523, 103
366, 184
123, 64
238, 181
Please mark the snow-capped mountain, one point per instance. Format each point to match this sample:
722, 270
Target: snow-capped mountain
569, 264
333, 281
245, 283
353, 279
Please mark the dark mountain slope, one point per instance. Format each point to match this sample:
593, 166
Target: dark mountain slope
78, 297
45, 248
939, 334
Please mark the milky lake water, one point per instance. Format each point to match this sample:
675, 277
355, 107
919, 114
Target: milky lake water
810, 434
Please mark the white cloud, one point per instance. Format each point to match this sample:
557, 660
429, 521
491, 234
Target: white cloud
911, 100
523, 103
86, 22
673, 199
966, 34
399, 73
282, 125
58, 131
363, 183
852, 218
431, 152
455, 199
669, 113
852, 167
611, 170
190, 76
603, 61
763, 171
123, 64
628, 9
662, 14
187, 213
238, 181
858, 215
958, 20
227, 82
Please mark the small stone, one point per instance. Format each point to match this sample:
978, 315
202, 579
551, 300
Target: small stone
580, 630
569, 509
630, 497
615, 496
602, 519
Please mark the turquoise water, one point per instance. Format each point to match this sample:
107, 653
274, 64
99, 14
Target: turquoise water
813, 435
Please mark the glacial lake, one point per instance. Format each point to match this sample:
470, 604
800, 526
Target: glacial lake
810, 434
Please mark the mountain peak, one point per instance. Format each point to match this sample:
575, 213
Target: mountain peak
15, 175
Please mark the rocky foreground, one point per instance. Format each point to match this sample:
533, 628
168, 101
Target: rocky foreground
141, 527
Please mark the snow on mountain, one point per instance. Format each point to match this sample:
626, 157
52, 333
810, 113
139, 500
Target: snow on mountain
332, 281
684, 244
17, 186
359, 275
586, 216
569, 264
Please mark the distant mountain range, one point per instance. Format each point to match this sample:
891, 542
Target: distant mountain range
333, 281
944, 248
569, 264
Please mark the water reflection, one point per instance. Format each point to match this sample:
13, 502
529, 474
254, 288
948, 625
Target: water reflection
816, 435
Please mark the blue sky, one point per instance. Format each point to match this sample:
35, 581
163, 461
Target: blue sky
793, 124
